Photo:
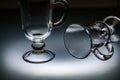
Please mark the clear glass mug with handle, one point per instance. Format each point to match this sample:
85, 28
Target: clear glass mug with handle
80, 41
37, 24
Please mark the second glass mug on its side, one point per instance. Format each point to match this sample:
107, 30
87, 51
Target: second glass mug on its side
37, 24
81, 41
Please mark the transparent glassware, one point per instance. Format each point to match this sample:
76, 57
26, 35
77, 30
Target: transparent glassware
100, 35
80, 41
37, 24
114, 26
77, 41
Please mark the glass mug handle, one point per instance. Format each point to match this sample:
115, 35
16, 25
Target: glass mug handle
113, 22
100, 55
65, 4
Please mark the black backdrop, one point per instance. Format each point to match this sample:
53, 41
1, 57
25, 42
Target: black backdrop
13, 44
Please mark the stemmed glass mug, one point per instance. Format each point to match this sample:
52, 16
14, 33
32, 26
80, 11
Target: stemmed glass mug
37, 24
80, 41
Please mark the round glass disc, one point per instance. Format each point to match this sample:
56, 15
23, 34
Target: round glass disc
77, 41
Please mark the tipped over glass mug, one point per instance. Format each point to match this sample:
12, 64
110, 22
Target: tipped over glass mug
80, 41
37, 24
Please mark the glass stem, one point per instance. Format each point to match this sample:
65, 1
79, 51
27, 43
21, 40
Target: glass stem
38, 46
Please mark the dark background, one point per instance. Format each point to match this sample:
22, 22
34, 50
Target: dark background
72, 3
14, 44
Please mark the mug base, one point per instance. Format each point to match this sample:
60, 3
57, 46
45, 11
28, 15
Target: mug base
40, 57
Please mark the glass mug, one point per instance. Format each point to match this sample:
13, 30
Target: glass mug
81, 41
37, 24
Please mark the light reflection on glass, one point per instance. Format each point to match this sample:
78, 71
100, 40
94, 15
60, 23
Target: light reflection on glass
68, 68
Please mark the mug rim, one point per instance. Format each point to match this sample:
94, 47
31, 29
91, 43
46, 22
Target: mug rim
87, 54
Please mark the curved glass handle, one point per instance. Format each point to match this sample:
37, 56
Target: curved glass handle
104, 56
65, 4
113, 22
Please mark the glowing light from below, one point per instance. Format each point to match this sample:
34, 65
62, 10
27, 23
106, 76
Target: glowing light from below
89, 67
